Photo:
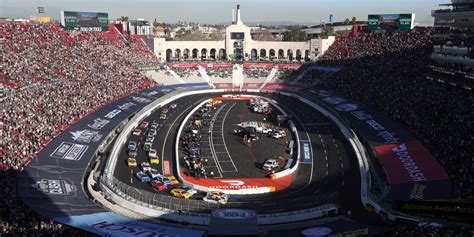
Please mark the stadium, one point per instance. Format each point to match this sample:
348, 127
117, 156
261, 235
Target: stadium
359, 128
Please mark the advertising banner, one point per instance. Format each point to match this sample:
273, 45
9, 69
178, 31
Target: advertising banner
52, 183
85, 21
409, 162
183, 65
335, 228
150, 67
258, 65
413, 173
216, 65
324, 69
289, 66
391, 21
110, 224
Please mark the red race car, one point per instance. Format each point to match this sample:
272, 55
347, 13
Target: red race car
158, 185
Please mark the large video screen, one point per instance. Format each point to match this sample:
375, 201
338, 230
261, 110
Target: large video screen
85, 21
237, 35
391, 21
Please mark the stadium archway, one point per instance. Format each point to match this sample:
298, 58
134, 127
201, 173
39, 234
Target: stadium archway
213, 53
169, 55
186, 54
271, 54
263, 53
253, 54
203, 54
289, 54
298, 55
281, 54
195, 53
177, 54
222, 54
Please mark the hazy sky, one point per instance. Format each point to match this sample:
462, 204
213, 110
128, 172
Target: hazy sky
215, 11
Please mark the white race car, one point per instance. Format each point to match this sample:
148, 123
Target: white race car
216, 197
146, 166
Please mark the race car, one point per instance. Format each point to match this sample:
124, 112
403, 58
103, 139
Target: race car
190, 190
270, 164
165, 180
173, 106
146, 166
132, 145
154, 125
158, 185
173, 179
149, 139
143, 177
137, 132
144, 124
132, 153
153, 173
162, 116
147, 146
154, 159
278, 135
216, 197
164, 111
131, 162
180, 193
151, 133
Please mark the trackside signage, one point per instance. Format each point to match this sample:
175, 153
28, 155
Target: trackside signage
409, 162
306, 152
373, 127
51, 183
107, 223
413, 173
233, 214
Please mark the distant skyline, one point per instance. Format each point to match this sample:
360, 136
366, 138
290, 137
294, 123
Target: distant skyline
219, 11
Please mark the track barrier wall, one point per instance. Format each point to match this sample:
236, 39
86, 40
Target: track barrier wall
264, 219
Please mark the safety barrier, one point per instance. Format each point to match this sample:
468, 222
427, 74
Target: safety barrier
119, 197
360, 154
108, 182
300, 215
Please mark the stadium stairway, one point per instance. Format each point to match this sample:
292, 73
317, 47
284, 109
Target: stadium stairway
204, 75
238, 76
270, 77
173, 73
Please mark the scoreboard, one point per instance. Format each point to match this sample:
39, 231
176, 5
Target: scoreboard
85, 21
391, 21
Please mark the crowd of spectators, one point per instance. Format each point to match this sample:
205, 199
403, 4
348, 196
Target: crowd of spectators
429, 231
221, 72
185, 73
52, 78
257, 73
58, 77
387, 71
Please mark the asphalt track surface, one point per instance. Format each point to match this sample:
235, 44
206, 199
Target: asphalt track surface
332, 177
227, 155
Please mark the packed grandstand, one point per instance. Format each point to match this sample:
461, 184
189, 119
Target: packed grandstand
52, 78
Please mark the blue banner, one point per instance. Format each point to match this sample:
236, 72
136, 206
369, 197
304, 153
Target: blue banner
306, 152
110, 224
